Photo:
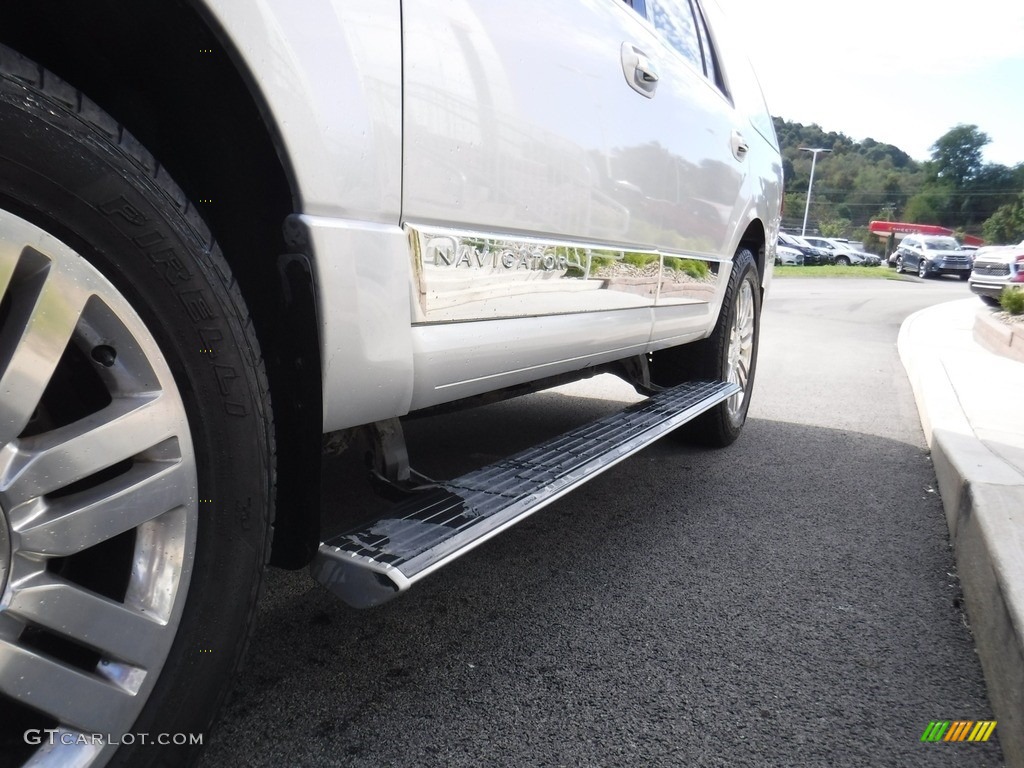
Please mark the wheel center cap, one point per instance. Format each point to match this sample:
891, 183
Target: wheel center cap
5, 551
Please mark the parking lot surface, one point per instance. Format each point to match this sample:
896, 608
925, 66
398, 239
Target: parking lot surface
791, 600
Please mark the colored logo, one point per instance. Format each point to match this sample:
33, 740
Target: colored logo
958, 730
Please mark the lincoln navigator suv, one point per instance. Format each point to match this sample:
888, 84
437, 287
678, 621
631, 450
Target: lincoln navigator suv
233, 234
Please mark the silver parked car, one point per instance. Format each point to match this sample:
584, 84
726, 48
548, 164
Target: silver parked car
844, 253
247, 230
997, 268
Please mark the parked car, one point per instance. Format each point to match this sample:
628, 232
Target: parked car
933, 255
997, 268
232, 233
786, 256
843, 252
812, 256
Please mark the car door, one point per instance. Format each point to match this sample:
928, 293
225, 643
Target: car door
514, 115
910, 250
547, 168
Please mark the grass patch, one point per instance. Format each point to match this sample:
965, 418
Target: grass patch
831, 270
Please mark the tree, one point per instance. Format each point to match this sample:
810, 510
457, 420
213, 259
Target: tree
833, 227
957, 154
1006, 225
995, 185
929, 206
862, 180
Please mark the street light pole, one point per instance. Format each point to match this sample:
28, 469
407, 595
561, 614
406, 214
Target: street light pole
814, 160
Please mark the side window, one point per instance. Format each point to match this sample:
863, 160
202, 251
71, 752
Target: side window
710, 59
674, 20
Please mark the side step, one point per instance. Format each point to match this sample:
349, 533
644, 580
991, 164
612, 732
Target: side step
371, 564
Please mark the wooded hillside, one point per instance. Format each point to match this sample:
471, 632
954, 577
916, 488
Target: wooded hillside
863, 180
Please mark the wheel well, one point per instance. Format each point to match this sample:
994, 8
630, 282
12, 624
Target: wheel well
755, 240
160, 69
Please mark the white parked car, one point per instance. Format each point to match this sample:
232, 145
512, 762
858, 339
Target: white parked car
844, 253
232, 233
786, 256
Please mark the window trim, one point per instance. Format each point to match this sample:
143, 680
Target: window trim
640, 6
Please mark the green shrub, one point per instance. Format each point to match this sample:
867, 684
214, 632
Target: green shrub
695, 269
1012, 300
639, 259
598, 262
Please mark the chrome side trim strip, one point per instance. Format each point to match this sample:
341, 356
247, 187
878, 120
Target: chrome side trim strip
462, 275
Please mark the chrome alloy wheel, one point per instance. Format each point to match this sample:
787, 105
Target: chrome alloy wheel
98, 493
741, 347
5, 551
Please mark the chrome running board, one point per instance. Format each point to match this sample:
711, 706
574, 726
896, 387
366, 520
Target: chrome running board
373, 563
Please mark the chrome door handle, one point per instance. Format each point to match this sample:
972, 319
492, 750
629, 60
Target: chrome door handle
739, 145
639, 70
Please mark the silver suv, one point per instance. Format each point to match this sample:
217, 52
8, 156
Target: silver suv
232, 233
996, 268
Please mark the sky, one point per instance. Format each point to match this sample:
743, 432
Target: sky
901, 72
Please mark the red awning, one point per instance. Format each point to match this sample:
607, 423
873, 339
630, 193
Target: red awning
901, 228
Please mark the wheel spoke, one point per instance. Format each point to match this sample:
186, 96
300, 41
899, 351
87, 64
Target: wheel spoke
39, 329
743, 372
56, 459
741, 345
10, 254
74, 698
116, 631
67, 749
66, 526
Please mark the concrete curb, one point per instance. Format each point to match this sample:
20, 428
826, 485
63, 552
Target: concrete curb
999, 337
983, 497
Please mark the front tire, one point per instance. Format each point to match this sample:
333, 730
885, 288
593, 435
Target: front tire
842, 261
899, 265
728, 354
922, 269
135, 524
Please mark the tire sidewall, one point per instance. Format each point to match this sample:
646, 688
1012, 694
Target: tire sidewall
108, 201
744, 271
709, 359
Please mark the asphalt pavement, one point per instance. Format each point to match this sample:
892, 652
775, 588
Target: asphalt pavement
791, 600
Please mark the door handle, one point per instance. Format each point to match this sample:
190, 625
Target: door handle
639, 70
739, 145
